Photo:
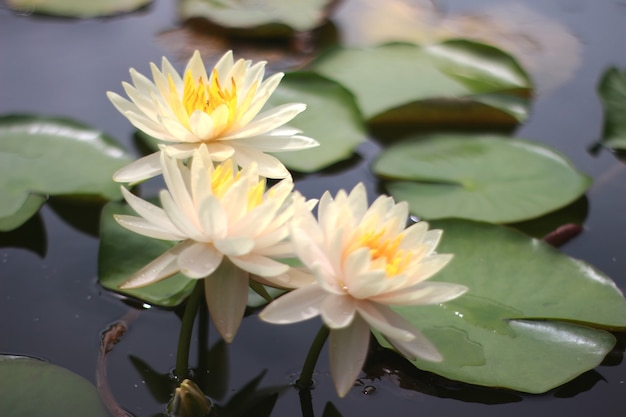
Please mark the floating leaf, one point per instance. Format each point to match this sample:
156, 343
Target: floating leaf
529, 307
123, 253
484, 177
77, 8
269, 17
42, 155
612, 91
31, 387
331, 118
393, 82
20, 215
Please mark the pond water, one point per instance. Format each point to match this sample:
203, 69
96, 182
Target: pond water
52, 307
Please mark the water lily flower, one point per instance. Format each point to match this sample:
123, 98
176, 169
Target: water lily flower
364, 260
221, 110
228, 226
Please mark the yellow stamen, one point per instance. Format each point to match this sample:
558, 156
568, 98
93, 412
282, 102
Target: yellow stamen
255, 195
384, 252
206, 96
224, 177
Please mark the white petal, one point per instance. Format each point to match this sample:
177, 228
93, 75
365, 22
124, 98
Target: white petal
263, 93
268, 120
273, 143
149, 211
348, 348
196, 66
259, 265
269, 166
199, 260
428, 267
385, 320
423, 294
144, 227
121, 104
298, 305
338, 310
234, 246
168, 70
367, 284
177, 130
178, 218
226, 293
180, 150
139, 170
162, 267
152, 128
225, 63
293, 278
174, 174
213, 218
201, 124
418, 347
310, 252
220, 151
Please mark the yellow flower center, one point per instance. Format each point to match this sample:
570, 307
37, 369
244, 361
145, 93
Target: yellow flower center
207, 96
384, 252
224, 177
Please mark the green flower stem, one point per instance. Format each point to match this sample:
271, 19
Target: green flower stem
186, 330
306, 376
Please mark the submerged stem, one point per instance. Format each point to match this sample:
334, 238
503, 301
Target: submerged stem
186, 329
306, 376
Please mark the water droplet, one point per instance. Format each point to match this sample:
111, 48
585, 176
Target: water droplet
369, 389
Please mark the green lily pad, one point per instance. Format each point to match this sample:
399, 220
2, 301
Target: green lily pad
479, 177
77, 8
31, 387
401, 82
123, 253
269, 15
538, 317
612, 92
41, 156
331, 118
28, 209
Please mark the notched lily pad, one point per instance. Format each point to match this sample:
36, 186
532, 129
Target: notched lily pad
260, 17
31, 387
479, 177
77, 8
539, 317
612, 90
401, 82
42, 156
123, 253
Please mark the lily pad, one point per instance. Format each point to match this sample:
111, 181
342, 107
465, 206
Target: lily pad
42, 156
482, 177
612, 91
539, 317
31, 387
77, 8
299, 15
396, 82
331, 118
123, 253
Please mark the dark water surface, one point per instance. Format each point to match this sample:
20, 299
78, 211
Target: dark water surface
51, 306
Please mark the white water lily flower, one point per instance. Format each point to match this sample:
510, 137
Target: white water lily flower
229, 229
221, 109
364, 260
